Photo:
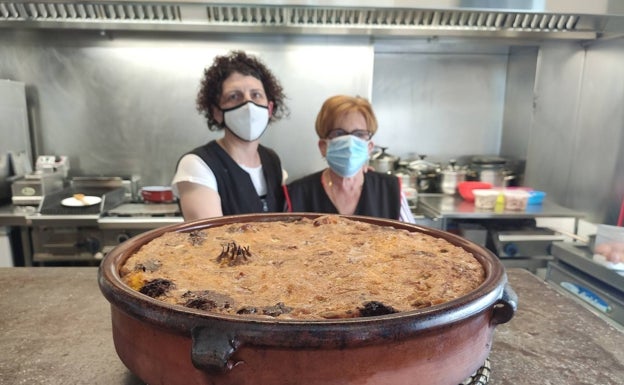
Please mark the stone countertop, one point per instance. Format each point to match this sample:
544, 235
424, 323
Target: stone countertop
55, 328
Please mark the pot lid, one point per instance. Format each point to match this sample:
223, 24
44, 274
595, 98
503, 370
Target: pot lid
382, 155
453, 168
423, 165
488, 160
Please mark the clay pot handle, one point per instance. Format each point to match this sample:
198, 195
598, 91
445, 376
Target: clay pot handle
505, 308
212, 349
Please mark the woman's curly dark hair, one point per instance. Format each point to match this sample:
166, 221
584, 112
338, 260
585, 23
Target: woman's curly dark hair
221, 68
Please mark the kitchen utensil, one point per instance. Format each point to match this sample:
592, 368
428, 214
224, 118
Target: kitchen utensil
451, 176
381, 161
491, 169
466, 188
408, 180
443, 344
427, 174
157, 194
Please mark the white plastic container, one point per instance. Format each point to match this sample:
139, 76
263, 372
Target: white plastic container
516, 200
485, 199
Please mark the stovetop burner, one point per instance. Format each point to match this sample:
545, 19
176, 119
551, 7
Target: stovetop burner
481, 376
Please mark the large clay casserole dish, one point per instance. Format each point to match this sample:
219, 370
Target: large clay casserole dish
441, 344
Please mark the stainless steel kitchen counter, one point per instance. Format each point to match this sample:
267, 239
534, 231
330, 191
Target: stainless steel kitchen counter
12, 215
23, 216
440, 207
450, 206
55, 328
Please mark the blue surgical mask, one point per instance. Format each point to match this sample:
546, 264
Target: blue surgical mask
346, 155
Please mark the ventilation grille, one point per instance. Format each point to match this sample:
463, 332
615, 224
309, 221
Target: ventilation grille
81, 12
274, 16
384, 18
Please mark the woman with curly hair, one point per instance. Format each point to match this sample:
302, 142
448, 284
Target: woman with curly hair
234, 174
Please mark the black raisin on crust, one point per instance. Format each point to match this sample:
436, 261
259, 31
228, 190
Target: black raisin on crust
277, 310
374, 308
197, 237
207, 300
157, 287
247, 310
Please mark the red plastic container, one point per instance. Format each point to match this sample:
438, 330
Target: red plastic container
157, 194
465, 188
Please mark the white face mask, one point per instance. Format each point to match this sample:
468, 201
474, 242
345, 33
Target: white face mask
247, 121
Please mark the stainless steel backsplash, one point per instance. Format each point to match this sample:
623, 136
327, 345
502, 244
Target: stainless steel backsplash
126, 105
124, 102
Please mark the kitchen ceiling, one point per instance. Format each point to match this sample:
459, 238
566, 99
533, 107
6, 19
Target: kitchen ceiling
524, 19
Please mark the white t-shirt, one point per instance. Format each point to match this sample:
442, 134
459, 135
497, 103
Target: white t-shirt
193, 169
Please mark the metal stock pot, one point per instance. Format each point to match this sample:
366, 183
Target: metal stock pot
381, 161
168, 344
492, 170
451, 176
427, 175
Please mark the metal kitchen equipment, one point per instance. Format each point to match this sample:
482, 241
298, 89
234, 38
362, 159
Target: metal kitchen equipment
62, 233
599, 288
48, 164
86, 234
524, 243
129, 183
381, 161
427, 174
520, 243
491, 170
32, 188
48, 177
5, 173
531, 244
408, 180
14, 135
520, 19
451, 176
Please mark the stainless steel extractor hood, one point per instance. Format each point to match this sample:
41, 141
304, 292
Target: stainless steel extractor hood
526, 19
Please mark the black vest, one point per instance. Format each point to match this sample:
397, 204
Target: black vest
381, 196
237, 192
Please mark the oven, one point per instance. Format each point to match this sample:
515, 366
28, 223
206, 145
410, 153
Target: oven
517, 242
63, 235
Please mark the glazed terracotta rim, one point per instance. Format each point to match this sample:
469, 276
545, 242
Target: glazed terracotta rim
310, 333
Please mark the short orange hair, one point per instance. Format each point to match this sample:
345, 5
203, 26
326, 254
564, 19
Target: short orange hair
338, 105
